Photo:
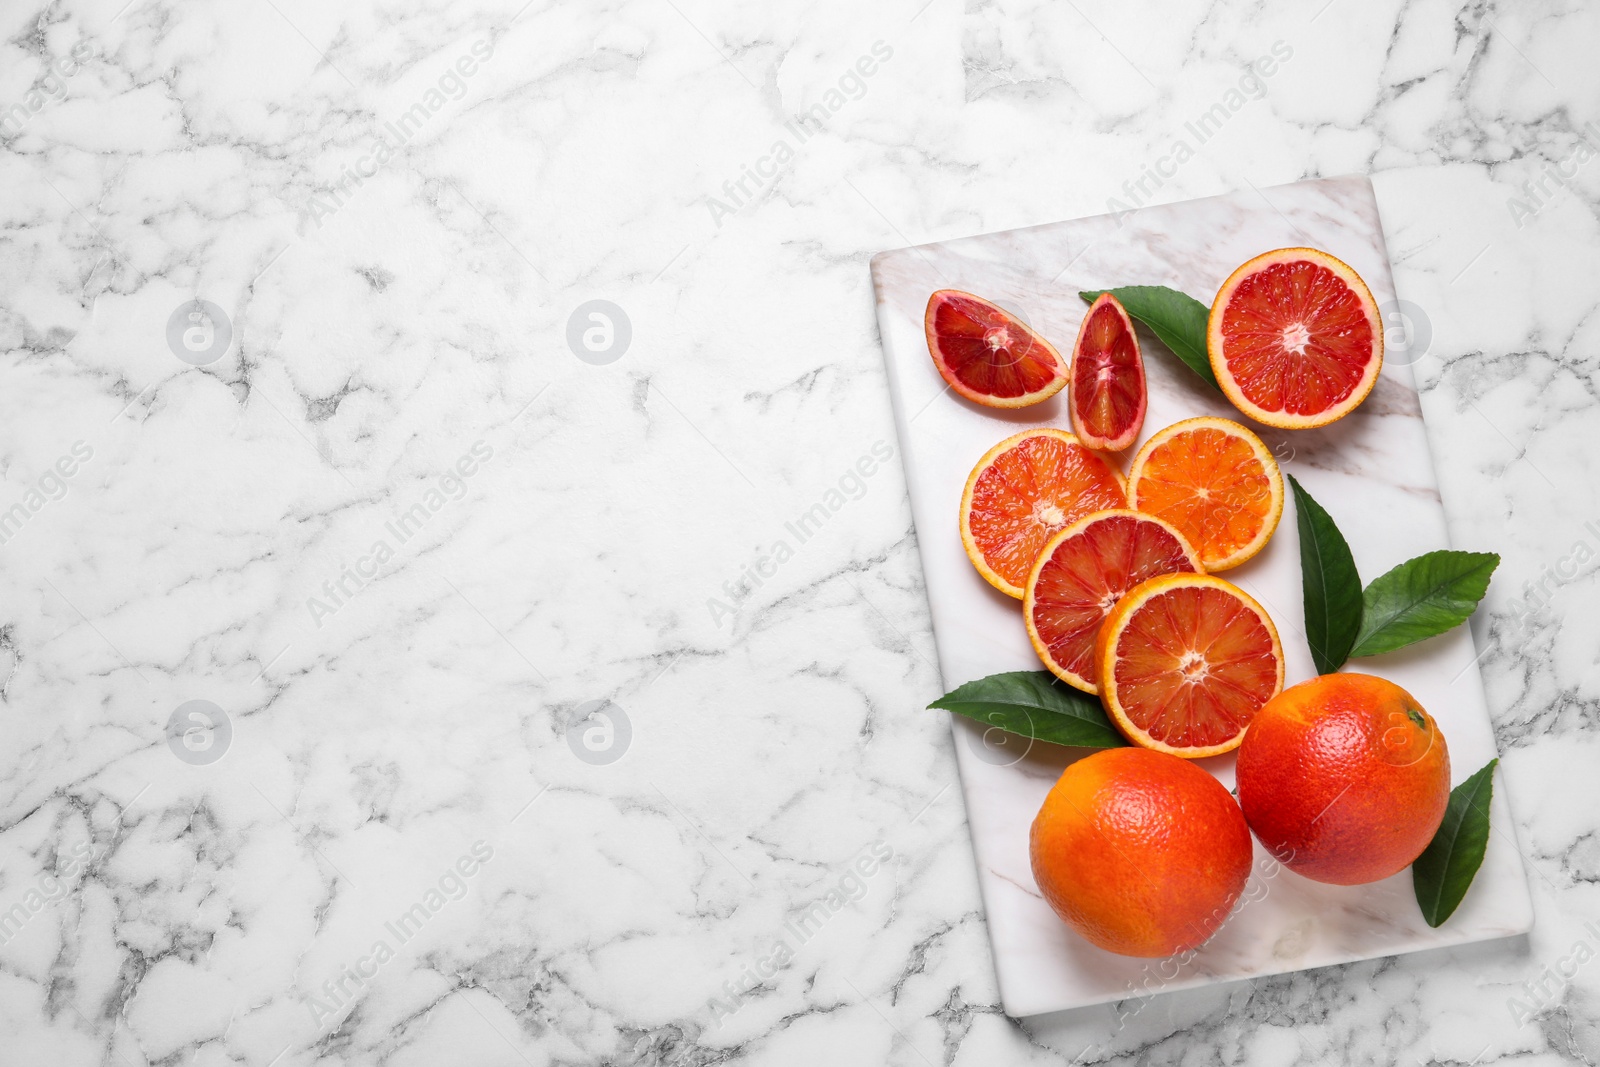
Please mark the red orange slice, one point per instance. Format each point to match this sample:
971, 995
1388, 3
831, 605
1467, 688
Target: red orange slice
1295, 339
1185, 662
1081, 574
988, 355
1022, 491
1108, 394
1216, 482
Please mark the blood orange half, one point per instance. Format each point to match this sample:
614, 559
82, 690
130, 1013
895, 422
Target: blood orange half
987, 355
1185, 662
1295, 339
1081, 574
1216, 482
1108, 393
1022, 491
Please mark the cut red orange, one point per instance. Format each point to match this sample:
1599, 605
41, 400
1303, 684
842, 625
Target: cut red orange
1185, 662
1108, 394
1295, 339
988, 355
1022, 491
1081, 574
1216, 482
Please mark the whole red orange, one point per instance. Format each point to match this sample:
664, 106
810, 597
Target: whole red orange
1344, 778
1140, 852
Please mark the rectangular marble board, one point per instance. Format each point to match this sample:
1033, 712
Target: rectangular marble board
1372, 471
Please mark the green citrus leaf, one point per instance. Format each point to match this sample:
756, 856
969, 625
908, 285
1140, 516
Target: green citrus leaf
1329, 580
1447, 866
1422, 597
1034, 704
1177, 319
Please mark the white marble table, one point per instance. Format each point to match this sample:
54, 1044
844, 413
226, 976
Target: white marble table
401, 529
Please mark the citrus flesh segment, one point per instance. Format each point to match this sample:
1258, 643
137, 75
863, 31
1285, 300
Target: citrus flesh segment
988, 355
1295, 339
1216, 482
1108, 395
1081, 574
1024, 490
1186, 661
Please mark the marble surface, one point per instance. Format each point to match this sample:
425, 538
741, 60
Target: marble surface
774, 865
1373, 473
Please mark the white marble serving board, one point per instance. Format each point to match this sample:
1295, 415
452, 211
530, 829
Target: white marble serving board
1373, 473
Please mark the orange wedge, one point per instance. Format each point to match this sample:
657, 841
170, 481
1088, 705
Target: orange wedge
1295, 339
987, 354
1081, 574
1185, 661
1216, 482
1022, 491
1108, 395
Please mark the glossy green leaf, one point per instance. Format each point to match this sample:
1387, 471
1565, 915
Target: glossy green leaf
1177, 319
1329, 580
1422, 597
1447, 866
1034, 704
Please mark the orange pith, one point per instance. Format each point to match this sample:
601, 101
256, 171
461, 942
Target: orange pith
1295, 339
1216, 482
1108, 394
1024, 490
1140, 853
1186, 661
1344, 778
1080, 575
988, 355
